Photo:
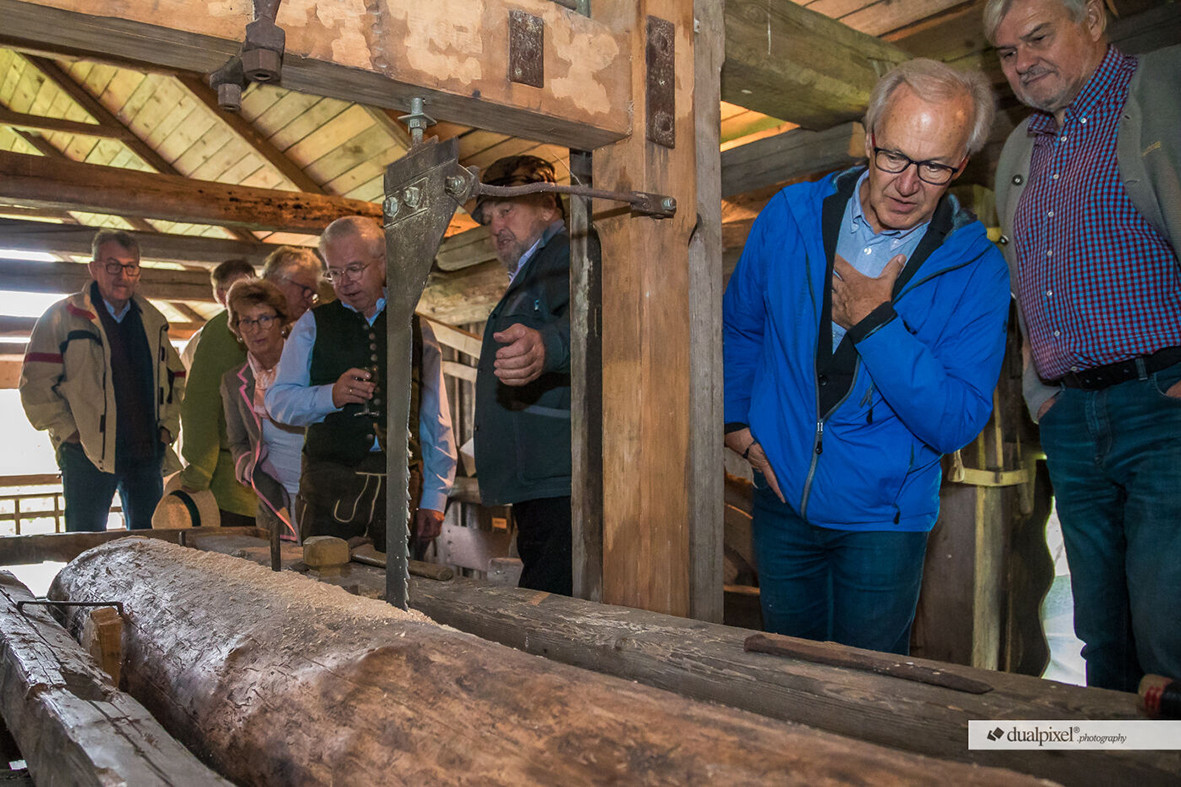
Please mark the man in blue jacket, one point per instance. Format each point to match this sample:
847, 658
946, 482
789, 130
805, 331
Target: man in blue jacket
864, 329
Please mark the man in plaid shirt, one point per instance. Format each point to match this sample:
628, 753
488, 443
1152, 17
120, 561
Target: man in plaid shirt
1089, 196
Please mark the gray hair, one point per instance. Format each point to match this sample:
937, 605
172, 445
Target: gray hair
124, 239
362, 227
285, 260
934, 81
996, 10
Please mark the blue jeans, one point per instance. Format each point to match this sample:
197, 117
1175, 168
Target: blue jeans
854, 587
1115, 462
88, 490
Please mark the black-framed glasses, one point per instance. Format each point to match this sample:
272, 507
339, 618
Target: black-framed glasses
114, 268
264, 321
929, 171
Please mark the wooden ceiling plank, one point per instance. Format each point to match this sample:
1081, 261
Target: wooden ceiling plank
351, 183
306, 122
882, 17
282, 112
459, 65
206, 149
373, 144
267, 179
249, 164
75, 239
258, 98
800, 66
226, 162
100, 113
251, 135
38, 181
29, 122
327, 138
163, 117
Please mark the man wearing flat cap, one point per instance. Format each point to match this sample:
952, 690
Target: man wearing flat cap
522, 429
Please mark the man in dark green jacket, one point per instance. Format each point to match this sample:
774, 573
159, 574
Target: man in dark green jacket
522, 429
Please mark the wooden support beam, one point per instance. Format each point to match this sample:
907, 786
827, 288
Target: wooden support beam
41, 182
705, 492
373, 688
380, 54
70, 721
795, 64
28, 122
791, 155
66, 277
647, 452
75, 239
707, 662
200, 90
11, 327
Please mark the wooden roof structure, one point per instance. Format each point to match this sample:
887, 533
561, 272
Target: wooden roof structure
68, 105
106, 120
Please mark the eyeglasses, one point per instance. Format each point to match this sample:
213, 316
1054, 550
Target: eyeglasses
264, 321
352, 271
130, 270
928, 171
304, 290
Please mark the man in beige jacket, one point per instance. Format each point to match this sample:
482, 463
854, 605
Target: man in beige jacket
102, 378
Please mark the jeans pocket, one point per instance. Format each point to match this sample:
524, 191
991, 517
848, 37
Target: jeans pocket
1164, 379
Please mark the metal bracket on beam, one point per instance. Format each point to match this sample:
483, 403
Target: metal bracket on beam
661, 83
526, 49
260, 58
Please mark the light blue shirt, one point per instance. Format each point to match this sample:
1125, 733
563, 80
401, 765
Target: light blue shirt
116, 316
869, 251
293, 400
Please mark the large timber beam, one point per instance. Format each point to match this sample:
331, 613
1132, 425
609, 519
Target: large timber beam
795, 64
455, 55
42, 182
65, 277
790, 155
276, 679
28, 122
41, 236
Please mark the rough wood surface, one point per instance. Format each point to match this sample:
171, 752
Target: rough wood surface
64, 547
42, 182
795, 64
75, 239
280, 680
706, 661
73, 726
452, 53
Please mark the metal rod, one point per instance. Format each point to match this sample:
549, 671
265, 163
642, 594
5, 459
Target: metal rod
46, 602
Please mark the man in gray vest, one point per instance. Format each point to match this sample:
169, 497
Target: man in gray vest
330, 379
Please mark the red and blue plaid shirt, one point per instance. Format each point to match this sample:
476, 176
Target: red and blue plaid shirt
1097, 283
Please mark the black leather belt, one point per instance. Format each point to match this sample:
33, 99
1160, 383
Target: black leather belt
1111, 374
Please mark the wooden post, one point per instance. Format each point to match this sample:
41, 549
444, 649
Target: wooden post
646, 347
706, 496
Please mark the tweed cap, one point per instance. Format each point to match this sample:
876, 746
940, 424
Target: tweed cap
515, 171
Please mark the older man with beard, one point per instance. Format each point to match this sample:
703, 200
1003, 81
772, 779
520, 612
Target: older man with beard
523, 386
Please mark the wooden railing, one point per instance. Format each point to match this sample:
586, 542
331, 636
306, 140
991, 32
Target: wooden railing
52, 501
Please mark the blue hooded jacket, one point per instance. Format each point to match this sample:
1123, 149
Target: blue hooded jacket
926, 364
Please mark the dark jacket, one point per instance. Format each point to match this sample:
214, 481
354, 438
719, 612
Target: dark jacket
522, 435
924, 371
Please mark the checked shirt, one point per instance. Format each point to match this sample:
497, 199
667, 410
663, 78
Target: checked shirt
1098, 284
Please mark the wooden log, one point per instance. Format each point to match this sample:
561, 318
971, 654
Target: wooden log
72, 725
75, 239
795, 64
44, 182
279, 680
28, 122
790, 155
64, 547
157, 284
706, 662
